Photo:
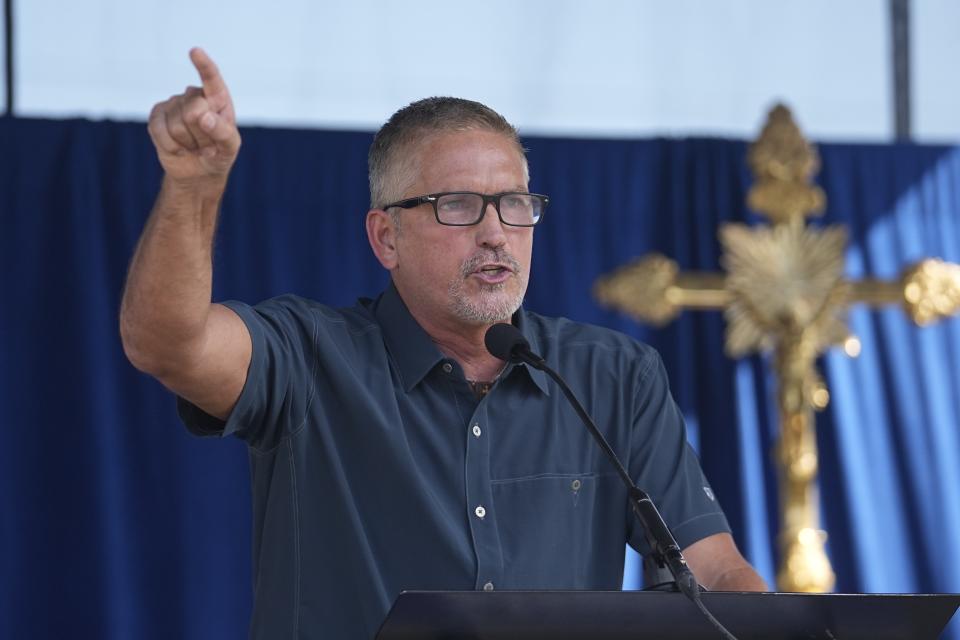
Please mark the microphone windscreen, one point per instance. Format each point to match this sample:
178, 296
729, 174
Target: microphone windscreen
502, 340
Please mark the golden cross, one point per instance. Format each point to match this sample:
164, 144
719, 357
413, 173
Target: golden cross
783, 292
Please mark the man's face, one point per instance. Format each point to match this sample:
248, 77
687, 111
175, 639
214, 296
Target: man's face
474, 275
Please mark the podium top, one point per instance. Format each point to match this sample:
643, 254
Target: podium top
636, 615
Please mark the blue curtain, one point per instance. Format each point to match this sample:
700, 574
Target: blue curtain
117, 524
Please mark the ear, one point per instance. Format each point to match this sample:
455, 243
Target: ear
382, 234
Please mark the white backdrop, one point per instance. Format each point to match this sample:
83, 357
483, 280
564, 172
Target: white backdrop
571, 67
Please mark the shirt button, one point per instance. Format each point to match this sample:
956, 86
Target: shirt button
575, 485
476, 430
488, 586
480, 511
447, 367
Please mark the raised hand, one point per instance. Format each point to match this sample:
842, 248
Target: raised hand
195, 132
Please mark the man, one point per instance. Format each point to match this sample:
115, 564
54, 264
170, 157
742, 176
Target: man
389, 449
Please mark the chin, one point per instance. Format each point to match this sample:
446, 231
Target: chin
489, 306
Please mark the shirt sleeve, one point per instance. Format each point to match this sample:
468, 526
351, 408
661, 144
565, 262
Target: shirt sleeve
280, 380
664, 465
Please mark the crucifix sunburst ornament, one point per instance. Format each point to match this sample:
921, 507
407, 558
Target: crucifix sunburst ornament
783, 292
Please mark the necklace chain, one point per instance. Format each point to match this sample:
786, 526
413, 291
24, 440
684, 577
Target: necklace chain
495, 378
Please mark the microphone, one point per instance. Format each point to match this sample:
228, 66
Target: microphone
505, 342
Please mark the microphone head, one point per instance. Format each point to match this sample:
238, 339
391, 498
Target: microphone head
504, 341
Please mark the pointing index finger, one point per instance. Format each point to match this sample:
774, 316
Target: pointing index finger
210, 77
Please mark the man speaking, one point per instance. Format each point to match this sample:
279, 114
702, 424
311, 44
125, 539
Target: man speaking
389, 449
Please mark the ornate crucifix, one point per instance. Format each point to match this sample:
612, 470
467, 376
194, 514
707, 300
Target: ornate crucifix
783, 292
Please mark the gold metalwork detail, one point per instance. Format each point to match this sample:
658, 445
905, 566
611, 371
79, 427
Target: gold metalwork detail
820, 397
784, 163
931, 290
783, 279
784, 293
805, 568
928, 291
642, 289
852, 346
651, 289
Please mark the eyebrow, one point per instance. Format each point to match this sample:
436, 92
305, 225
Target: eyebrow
514, 189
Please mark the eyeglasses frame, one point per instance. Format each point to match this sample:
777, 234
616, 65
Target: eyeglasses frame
494, 199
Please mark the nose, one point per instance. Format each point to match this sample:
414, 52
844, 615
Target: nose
490, 231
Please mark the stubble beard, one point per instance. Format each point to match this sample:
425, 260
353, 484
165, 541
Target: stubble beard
495, 302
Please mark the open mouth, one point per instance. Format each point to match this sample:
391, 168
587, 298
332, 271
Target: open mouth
493, 273
494, 270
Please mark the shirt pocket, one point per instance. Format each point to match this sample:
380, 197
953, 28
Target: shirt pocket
561, 530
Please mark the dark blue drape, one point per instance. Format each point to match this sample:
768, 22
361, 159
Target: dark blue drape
117, 524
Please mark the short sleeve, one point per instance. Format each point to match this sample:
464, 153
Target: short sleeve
664, 465
280, 381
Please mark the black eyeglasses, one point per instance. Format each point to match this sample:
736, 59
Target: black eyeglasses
466, 208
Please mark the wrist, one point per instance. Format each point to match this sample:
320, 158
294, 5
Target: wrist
205, 191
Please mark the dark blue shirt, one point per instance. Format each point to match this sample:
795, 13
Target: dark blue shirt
376, 469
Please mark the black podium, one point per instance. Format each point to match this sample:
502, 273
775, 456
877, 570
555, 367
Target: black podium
638, 615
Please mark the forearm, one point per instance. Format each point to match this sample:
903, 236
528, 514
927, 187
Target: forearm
718, 565
742, 578
166, 301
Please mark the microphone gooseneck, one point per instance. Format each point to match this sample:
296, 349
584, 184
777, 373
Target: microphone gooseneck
505, 342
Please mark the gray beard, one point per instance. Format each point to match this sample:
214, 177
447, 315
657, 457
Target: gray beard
495, 303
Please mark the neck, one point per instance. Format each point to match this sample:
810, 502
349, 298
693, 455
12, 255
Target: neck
465, 344
477, 363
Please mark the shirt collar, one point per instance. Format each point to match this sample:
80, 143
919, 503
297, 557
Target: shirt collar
415, 354
522, 322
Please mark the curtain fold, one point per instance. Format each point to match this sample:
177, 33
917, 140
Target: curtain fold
118, 524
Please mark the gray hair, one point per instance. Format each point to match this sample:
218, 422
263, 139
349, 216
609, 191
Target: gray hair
388, 162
